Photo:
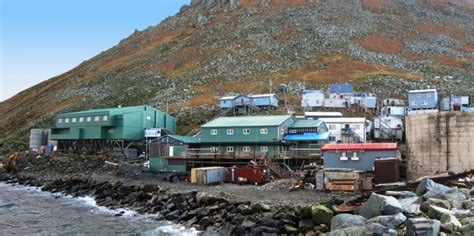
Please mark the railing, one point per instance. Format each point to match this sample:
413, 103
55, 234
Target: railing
303, 152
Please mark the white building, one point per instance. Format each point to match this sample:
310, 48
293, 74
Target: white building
347, 129
314, 115
336, 102
312, 98
393, 102
388, 127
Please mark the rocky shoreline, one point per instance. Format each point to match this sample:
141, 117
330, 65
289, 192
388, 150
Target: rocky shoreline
206, 212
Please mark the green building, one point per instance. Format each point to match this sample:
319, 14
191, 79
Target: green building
169, 153
126, 123
244, 137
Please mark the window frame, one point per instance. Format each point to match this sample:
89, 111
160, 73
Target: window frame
229, 149
96, 118
264, 131
81, 119
246, 149
105, 118
73, 120
213, 131
230, 131
60, 120
263, 148
246, 129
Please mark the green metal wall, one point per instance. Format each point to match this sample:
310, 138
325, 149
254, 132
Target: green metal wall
238, 136
126, 123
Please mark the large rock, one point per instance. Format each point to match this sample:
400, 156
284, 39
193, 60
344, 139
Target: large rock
321, 214
422, 226
411, 205
425, 206
342, 221
427, 185
350, 231
450, 222
390, 221
400, 194
468, 230
379, 229
306, 224
435, 212
439, 193
380, 205
456, 199
205, 198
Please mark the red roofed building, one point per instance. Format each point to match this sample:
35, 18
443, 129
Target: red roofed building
357, 156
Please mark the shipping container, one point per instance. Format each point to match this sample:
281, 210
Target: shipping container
251, 175
208, 175
320, 180
387, 170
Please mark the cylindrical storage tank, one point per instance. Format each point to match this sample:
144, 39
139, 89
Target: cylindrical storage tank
37, 138
210, 175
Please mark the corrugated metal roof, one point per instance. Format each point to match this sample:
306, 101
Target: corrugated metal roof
360, 146
185, 139
227, 98
422, 91
343, 119
306, 124
307, 137
247, 121
341, 88
306, 91
113, 109
323, 114
262, 95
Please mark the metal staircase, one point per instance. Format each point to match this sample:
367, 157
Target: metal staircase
388, 133
279, 172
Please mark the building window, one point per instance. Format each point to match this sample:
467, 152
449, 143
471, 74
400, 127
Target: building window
415, 103
214, 149
355, 157
148, 117
73, 120
81, 119
310, 118
428, 94
356, 126
105, 118
213, 131
418, 95
246, 131
263, 149
424, 103
246, 149
66, 120
230, 131
264, 131
343, 156
111, 131
60, 121
332, 127
292, 131
96, 118
89, 119
230, 149
332, 139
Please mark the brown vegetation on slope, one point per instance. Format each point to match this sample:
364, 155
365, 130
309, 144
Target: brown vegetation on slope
378, 43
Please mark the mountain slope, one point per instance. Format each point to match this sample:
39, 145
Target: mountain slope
215, 47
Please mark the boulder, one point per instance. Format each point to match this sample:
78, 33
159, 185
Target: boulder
227, 229
439, 193
380, 205
321, 214
435, 212
305, 224
450, 222
305, 213
468, 229
378, 229
124, 190
400, 194
352, 231
342, 221
467, 220
244, 209
205, 198
422, 226
390, 221
259, 230
425, 206
174, 215
426, 185
269, 222
260, 207
467, 204
290, 229
410, 205
456, 199
149, 188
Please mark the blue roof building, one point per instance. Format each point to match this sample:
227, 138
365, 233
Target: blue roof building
341, 88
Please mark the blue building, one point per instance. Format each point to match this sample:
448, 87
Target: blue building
265, 100
306, 137
357, 156
422, 99
340, 89
235, 101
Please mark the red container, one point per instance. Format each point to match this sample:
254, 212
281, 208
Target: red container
249, 175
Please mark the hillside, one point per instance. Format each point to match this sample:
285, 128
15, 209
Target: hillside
215, 47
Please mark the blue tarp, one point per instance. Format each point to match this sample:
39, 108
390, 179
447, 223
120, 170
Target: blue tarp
307, 137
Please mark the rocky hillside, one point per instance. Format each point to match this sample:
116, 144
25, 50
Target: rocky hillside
216, 47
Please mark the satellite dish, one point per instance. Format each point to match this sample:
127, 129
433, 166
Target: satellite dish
283, 88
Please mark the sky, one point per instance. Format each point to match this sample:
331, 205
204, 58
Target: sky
44, 38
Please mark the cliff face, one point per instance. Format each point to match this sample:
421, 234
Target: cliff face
215, 47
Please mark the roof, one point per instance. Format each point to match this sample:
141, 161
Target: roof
343, 119
185, 139
341, 88
422, 91
359, 146
262, 95
312, 91
322, 114
227, 98
247, 121
307, 137
306, 124
113, 109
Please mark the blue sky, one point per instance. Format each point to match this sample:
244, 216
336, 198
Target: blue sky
44, 38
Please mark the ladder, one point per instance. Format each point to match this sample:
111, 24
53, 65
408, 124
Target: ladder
274, 167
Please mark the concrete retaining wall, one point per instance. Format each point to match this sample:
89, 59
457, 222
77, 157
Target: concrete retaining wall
440, 142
